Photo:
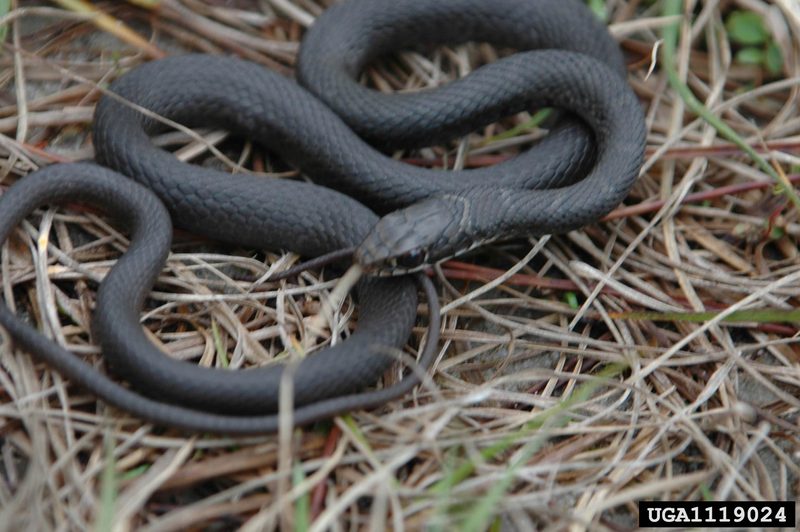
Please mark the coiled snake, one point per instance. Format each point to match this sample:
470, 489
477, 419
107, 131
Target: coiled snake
333, 130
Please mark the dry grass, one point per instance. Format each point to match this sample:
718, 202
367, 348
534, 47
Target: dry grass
550, 409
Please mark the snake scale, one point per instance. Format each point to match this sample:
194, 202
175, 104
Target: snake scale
336, 131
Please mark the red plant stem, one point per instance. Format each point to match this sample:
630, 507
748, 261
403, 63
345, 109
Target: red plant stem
651, 206
464, 271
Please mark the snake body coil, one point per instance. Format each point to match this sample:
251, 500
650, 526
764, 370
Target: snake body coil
579, 172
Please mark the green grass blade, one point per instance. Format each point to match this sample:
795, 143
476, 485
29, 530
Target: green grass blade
537, 118
751, 315
478, 519
302, 506
222, 353
5, 7
671, 31
108, 487
481, 514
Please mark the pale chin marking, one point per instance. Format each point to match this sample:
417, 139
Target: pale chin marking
390, 268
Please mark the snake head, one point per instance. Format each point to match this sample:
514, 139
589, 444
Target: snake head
409, 239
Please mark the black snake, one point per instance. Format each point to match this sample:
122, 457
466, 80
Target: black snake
334, 130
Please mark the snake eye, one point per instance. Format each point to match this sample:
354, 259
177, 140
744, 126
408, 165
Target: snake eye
413, 259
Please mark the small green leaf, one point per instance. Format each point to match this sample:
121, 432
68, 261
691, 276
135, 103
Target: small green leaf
743, 229
773, 59
598, 7
746, 27
777, 232
750, 56
571, 299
